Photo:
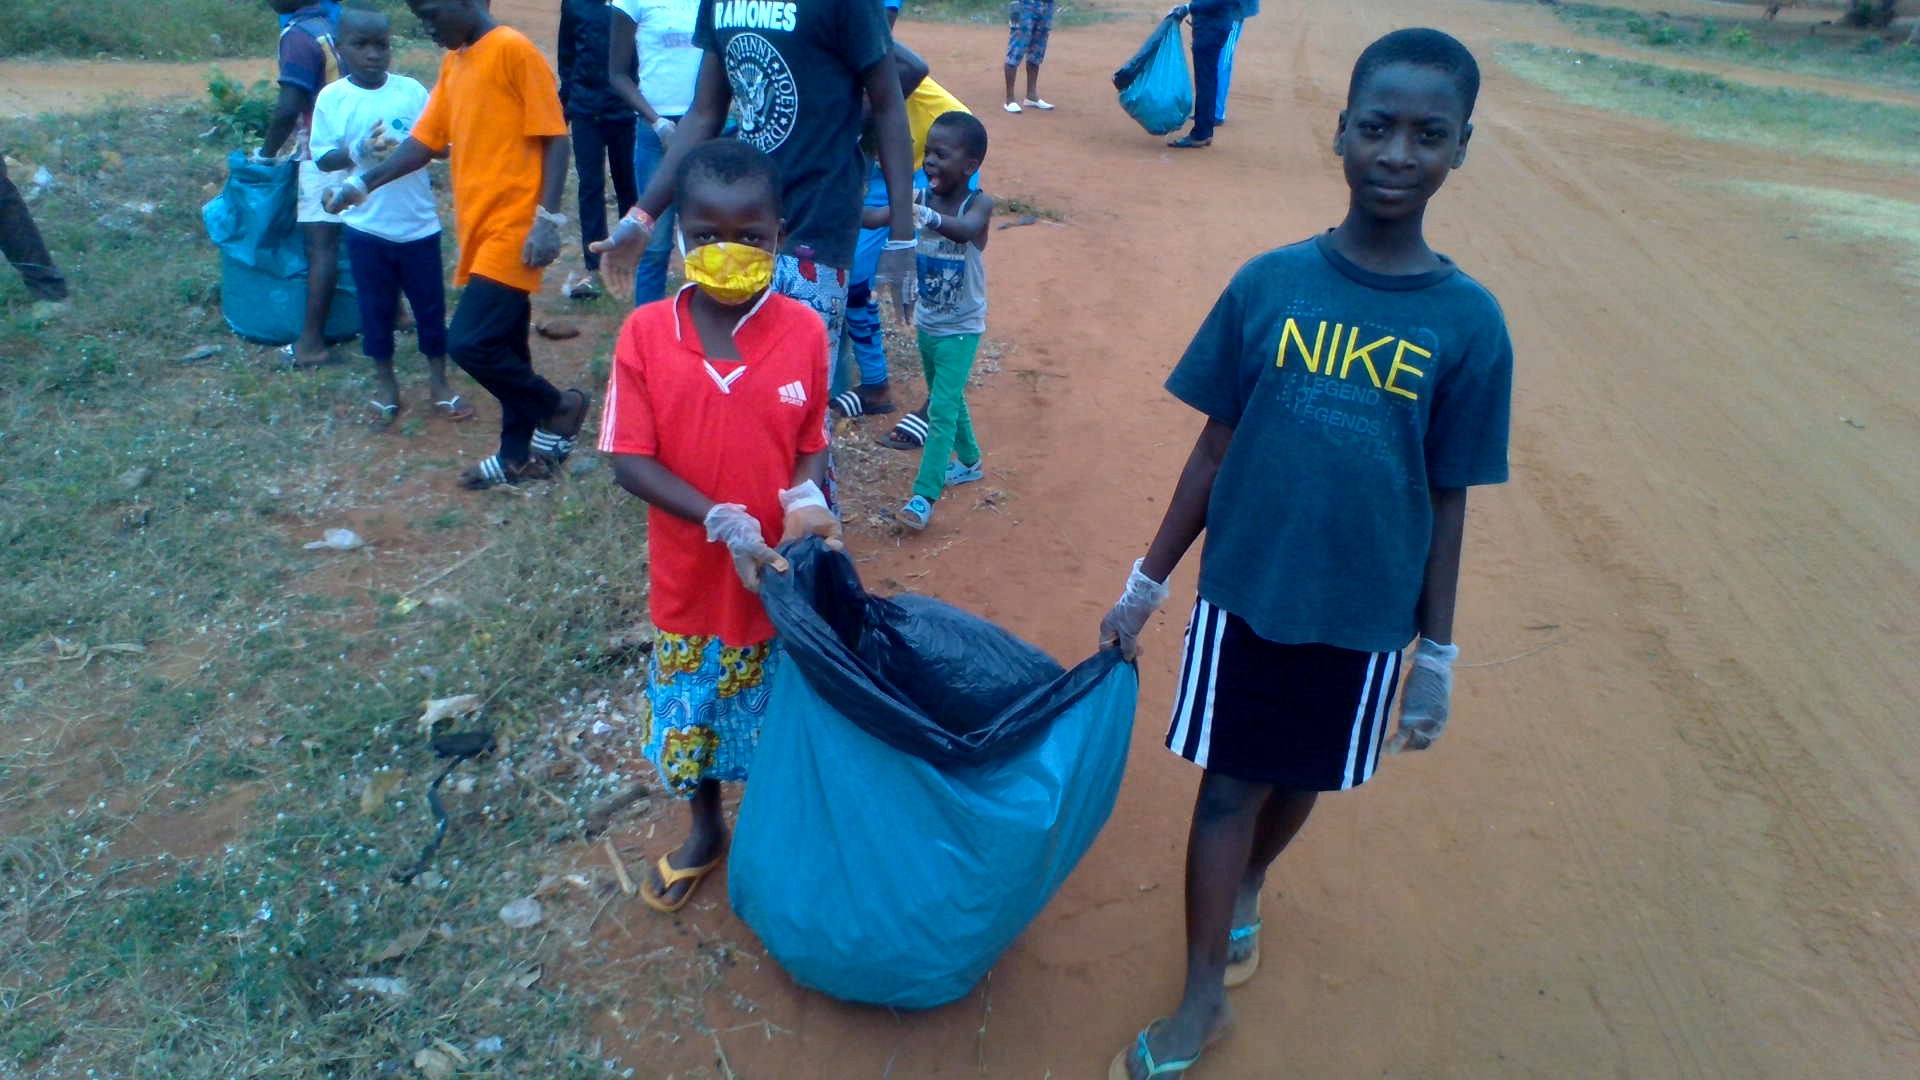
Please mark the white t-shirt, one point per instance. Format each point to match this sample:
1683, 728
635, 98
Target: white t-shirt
669, 60
403, 210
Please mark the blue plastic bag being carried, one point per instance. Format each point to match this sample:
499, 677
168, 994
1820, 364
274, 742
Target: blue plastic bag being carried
263, 256
924, 782
1155, 86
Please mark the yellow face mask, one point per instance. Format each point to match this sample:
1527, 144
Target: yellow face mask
730, 273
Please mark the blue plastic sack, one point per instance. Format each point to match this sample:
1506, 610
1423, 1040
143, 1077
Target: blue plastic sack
924, 783
263, 256
1155, 87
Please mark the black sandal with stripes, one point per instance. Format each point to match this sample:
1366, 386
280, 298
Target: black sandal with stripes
910, 433
491, 472
854, 402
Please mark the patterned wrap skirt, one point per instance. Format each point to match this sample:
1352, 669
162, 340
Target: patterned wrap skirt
705, 702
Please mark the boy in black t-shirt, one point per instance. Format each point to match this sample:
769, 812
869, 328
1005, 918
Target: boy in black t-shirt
798, 70
1355, 385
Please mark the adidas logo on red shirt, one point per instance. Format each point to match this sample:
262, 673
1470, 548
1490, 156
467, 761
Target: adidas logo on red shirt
794, 394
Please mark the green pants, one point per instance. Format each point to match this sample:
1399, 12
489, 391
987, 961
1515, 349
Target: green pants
946, 360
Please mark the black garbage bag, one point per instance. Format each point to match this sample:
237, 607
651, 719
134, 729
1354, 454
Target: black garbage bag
920, 675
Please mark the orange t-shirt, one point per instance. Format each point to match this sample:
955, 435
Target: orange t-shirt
732, 430
495, 103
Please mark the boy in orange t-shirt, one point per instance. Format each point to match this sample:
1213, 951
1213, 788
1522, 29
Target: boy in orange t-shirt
716, 416
496, 106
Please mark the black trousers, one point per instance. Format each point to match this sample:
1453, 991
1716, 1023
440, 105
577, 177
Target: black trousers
599, 147
382, 270
1206, 86
488, 339
20, 240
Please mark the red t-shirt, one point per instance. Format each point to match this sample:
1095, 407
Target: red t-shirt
732, 430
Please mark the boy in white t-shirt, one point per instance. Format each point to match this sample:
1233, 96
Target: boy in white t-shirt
393, 238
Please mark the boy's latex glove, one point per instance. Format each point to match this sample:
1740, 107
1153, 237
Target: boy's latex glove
664, 128
620, 251
374, 143
899, 271
1178, 12
1143, 596
926, 216
730, 524
341, 196
1423, 700
543, 240
809, 515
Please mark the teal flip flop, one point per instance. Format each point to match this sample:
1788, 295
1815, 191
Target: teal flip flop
1242, 972
1144, 1054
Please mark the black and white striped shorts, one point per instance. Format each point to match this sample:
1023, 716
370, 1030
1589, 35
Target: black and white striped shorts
1303, 717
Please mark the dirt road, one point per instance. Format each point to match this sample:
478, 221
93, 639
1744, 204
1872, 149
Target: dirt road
32, 87
1671, 832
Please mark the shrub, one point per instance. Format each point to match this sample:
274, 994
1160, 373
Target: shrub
1871, 14
239, 109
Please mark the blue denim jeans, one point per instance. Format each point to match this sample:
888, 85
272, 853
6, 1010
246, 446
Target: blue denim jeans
650, 277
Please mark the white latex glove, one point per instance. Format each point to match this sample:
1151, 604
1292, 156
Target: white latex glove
926, 216
730, 524
1425, 697
664, 128
340, 196
809, 515
620, 251
543, 240
899, 271
373, 144
1122, 626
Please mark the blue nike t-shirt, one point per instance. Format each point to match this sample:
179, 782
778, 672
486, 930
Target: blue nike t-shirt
1352, 396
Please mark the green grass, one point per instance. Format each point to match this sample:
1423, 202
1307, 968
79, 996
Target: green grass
148, 29
1853, 216
162, 504
1065, 12
1793, 121
1833, 51
272, 675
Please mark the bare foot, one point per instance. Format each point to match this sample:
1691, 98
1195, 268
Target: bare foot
312, 354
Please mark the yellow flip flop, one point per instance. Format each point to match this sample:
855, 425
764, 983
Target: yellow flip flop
669, 877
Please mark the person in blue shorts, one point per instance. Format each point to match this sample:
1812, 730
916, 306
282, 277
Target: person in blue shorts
1029, 28
1354, 385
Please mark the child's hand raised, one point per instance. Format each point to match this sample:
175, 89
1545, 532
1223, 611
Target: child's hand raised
620, 251
374, 143
809, 515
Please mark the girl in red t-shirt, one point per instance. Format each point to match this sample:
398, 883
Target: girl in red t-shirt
716, 416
